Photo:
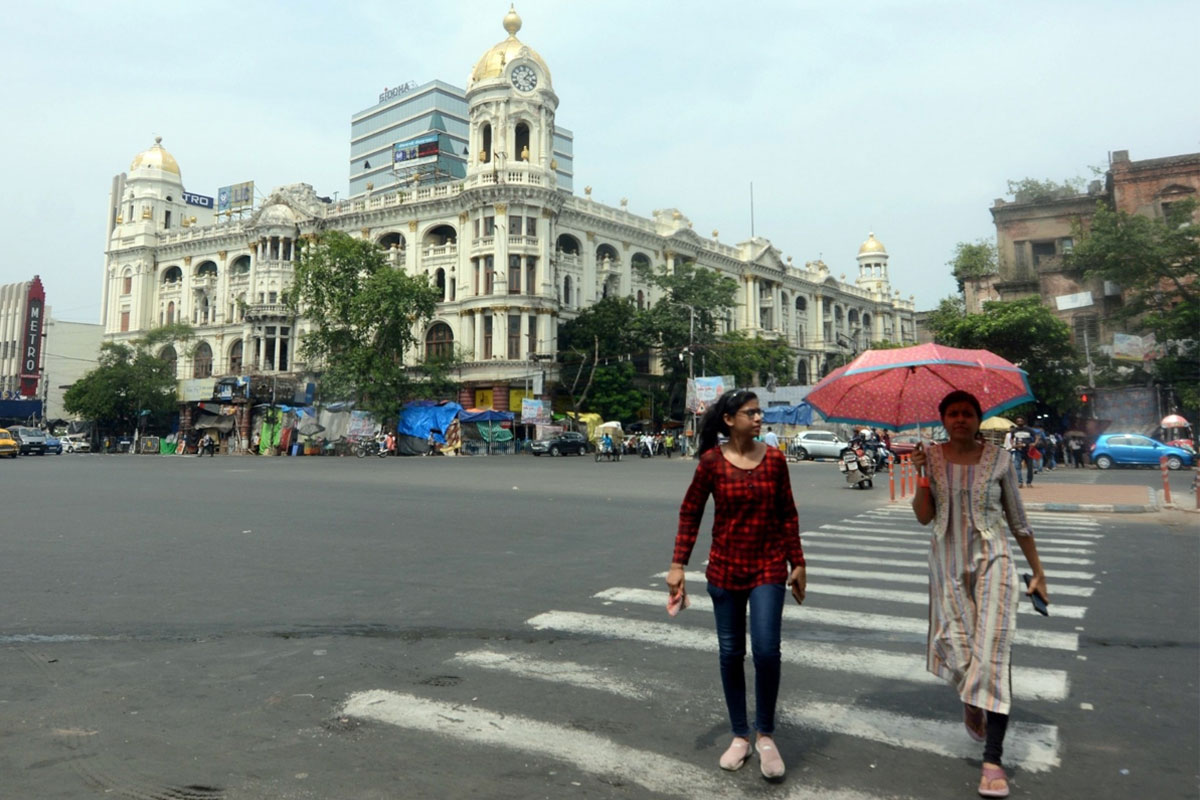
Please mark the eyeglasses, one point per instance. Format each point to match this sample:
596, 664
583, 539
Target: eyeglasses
751, 412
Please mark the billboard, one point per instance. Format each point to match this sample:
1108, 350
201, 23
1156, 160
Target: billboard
31, 355
201, 200
534, 411
235, 196
702, 392
414, 152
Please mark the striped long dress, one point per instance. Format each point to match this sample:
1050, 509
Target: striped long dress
973, 589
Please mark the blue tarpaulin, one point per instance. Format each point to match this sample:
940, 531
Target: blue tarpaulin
486, 416
20, 409
789, 415
420, 417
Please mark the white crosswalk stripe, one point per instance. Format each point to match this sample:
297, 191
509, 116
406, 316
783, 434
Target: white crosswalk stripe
866, 617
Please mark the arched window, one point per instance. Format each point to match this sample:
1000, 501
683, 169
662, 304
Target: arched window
568, 244
240, 266
206, 270
172, 275
486, 154
171, 312
606, 252
802, 372
641, 299
392, 239
168, 355
801, 305
440, 280
127, 281
566, 298
235, 357
202, 361
439, 342
521, 143
440, 235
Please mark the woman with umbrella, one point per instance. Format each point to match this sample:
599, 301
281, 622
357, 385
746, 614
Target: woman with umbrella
970, 494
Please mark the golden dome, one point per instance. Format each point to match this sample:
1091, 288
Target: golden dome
156, 157
494, 61
872, 245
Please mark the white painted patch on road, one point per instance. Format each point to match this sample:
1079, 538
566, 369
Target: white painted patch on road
837, 542
1032, 683
898, 577
815, 615
911, 537
587, 752
567, 672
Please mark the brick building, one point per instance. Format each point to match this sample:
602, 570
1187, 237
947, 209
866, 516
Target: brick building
1034, 233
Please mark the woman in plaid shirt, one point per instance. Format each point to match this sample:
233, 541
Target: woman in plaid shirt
756, 536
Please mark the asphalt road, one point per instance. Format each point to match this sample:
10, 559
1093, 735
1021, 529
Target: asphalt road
433, 628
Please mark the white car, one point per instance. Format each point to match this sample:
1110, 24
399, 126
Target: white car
816, 444
75, 443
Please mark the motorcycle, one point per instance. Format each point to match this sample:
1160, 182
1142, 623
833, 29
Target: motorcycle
371, 447
858, 463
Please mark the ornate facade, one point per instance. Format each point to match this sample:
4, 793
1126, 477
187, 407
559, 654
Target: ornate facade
513, 253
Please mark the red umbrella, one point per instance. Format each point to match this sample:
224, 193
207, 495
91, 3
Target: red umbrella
899, 389
1174, 421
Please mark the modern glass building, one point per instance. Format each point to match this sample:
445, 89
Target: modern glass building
420, 133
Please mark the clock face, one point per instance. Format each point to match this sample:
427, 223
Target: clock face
524, 78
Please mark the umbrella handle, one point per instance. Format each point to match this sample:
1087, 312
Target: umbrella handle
921, 469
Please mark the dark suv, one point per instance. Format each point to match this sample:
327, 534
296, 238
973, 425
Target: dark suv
31, 440
566, 442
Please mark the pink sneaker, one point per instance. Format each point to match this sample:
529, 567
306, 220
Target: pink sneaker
737, 754
769, 760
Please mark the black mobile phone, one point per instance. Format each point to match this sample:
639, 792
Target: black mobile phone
1039, 603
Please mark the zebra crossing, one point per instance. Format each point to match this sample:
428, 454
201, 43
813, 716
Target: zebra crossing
861, 631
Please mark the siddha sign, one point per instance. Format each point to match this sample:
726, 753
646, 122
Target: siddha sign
396, 91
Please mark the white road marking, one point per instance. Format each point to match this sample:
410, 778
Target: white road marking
896, 562
1031, 682
587, 752
904, 577
1044, 519
559, 671
837, 542
1067, 590
910, 538
815, 615
919, 530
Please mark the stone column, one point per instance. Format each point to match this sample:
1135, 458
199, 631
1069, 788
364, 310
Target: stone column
819, 322
466, 332
243, 423
466, 397
480, 323
413, 257
524, 335
501, 247
500, 396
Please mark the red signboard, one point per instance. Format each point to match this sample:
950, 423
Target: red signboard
31, 354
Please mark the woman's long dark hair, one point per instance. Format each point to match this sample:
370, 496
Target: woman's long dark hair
713, 422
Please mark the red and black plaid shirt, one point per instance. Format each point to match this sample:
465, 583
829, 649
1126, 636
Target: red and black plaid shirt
756, 530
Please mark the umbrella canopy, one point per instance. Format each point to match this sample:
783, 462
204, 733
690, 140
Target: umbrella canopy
310, 429
901, 388
997, 424
1174, 421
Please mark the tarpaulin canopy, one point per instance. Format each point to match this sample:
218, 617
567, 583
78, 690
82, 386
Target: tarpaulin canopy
484, 415
801, 414
223, 423
422, 417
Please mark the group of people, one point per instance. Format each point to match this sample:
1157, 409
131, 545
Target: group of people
968, 493
1036, 450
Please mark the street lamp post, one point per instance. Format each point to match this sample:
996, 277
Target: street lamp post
691, 354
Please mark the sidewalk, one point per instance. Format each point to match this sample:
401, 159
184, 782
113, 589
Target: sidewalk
1087, 498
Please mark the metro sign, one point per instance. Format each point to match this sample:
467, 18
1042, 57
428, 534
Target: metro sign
31, 357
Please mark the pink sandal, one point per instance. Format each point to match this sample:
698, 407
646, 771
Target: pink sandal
993, 774
976, 722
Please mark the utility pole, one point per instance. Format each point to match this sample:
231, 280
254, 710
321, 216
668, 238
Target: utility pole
691, 352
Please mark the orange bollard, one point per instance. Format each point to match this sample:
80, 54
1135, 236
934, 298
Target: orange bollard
903, 483
1162, 464
892, 480
912, 477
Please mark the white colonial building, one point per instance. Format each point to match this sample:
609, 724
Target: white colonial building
512, 251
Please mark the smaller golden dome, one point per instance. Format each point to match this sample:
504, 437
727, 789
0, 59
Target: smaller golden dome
156, 157
872, 245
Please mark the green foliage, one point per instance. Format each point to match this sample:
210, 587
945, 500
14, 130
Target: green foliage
1031, 190
129, 379
749, 360
614, 395
1026, 333
973, 260
947, 314
603, 332
884, 344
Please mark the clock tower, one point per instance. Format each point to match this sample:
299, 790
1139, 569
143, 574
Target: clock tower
511, 105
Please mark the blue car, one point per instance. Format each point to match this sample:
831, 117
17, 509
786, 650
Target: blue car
1136, 450
53, 444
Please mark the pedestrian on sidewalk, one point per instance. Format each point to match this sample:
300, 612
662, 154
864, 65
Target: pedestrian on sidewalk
968, 491
755, 537
1075, 448
1019, 442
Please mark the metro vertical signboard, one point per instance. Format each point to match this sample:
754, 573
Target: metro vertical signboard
31, 344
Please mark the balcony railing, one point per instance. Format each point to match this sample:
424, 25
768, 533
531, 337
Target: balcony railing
257, 311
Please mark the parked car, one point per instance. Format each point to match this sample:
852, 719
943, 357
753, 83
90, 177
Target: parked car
53, 444
562, 444
76, 443
816, 444
1134, 449
8, 444
904, 443
31, 440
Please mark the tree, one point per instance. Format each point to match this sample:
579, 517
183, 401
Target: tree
1155, 262
608, 331
973, 260
366, 316
1026, 333
614, 394
131, 384
748, 360
948, 312
1032, 190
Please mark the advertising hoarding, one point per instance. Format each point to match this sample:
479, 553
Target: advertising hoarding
414, 152
200, 200
235, 196
31, 355
534, 411
1065, 302
702, 392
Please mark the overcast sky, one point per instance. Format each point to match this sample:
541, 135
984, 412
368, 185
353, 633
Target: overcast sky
902, 118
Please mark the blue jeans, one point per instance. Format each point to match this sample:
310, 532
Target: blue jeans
766, 614
1018, 459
